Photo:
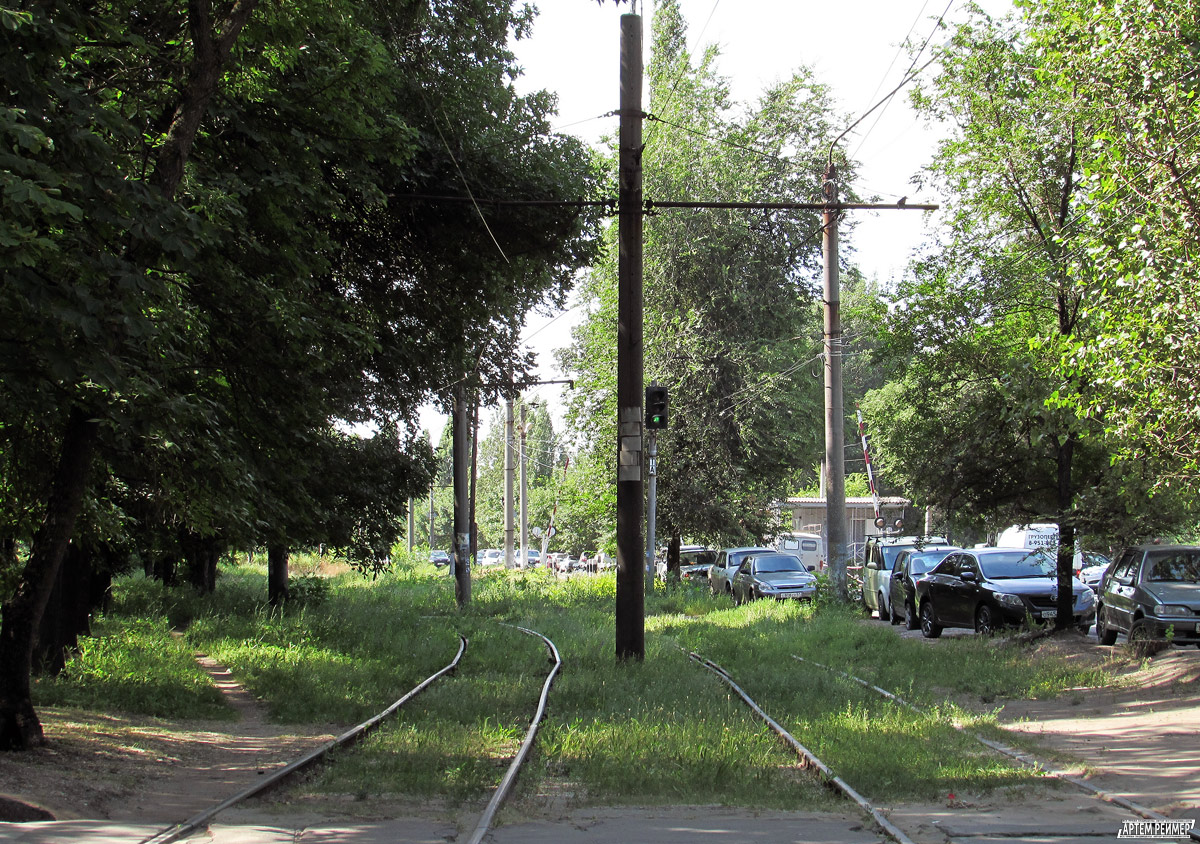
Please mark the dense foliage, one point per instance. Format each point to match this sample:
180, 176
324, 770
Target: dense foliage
218, 251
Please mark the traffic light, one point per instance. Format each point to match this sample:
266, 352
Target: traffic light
656, 406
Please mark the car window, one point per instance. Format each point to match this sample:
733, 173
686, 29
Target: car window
1173, 567
1016, 564
948, 565
1125, 564
808, 545
901, 560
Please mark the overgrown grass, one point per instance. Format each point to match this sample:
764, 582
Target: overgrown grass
133, 664
660, 731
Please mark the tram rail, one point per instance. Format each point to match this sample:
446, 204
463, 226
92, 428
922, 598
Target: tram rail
1025, 759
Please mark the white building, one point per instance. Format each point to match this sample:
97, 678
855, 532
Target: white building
808, 516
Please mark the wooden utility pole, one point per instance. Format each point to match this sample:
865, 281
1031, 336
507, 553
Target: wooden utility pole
460, 559
630, 601
835, 450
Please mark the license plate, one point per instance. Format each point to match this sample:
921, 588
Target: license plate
1049, 613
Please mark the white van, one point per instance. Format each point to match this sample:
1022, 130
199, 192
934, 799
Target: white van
807, 546
1037, 535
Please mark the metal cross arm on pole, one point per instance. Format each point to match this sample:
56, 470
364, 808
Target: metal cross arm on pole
651, 206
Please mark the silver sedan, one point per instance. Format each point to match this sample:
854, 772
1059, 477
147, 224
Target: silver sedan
773, 576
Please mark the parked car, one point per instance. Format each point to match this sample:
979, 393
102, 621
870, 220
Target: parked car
439, 558
772, 575
911, 564
491, 557
695, 561
879, 558
1152, 592
1090, 567
720, 574
991, 588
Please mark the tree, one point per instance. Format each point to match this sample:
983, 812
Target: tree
728, 296
972, 425
1128, 70
216, 252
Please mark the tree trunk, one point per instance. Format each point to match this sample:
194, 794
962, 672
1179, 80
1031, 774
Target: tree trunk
277, 575
22, 614
68, 612
673, 555
202, 554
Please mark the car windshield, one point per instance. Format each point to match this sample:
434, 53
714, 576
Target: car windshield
777, 563
1175, 567
697, 558
1011, 564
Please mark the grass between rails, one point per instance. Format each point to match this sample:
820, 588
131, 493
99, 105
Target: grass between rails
662, 731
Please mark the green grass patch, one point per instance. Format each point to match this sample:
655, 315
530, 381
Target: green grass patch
134, 665
660, 731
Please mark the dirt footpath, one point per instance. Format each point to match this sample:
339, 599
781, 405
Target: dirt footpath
1140, 739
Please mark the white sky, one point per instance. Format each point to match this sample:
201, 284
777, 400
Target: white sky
853, 46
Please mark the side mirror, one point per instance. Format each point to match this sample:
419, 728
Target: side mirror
812, 568
968, 576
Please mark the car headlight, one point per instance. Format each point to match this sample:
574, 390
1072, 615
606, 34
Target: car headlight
1171, 610
1085, 599
1007, 600
765, 587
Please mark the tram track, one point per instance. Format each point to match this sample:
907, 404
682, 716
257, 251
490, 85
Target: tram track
810, 759
1025, 759
177, 831
883, 822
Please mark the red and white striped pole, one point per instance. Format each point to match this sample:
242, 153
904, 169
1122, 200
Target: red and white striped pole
870, 471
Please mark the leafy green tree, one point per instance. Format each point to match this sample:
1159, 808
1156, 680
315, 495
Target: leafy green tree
216, 251
971, 425
728, 295
1128, 70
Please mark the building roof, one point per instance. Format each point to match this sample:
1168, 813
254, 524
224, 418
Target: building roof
858, 501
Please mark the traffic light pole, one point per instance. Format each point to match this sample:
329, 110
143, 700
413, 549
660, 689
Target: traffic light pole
651, 505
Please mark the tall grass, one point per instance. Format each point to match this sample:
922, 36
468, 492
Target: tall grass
662, 730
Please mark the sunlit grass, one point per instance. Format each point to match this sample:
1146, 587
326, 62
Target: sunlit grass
134, 665
665, 730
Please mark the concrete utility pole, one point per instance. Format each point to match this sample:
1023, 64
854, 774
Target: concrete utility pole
412, 524
835, 452
460, 559
524, 498
509, 470
630, 601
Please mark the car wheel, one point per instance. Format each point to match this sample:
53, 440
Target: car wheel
911, 621
985, 624
1139, 632
1104, 635
883, 614
929, 628
893, 616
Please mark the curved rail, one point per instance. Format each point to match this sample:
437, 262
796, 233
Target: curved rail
810, 758
1023, 758
174, 833
510, 776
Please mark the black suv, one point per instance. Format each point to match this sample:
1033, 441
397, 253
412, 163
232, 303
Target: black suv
1151, 592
